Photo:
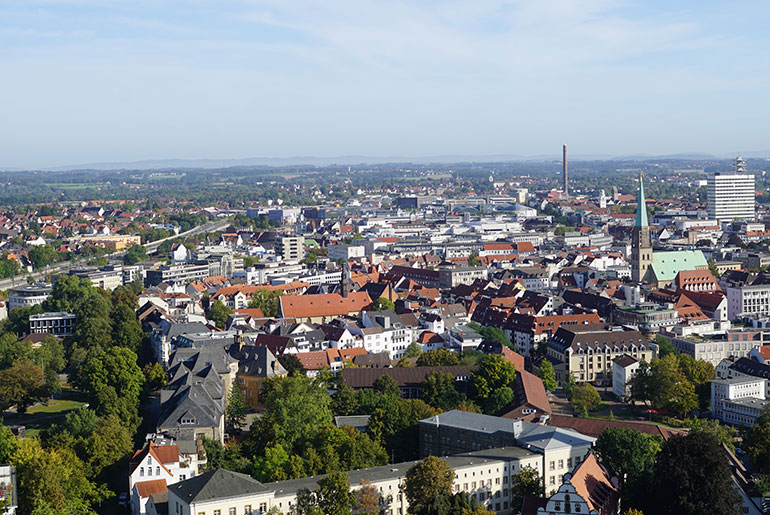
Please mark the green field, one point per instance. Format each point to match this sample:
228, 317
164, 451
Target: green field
44, 415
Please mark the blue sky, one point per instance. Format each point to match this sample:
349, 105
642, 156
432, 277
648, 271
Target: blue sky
118, 80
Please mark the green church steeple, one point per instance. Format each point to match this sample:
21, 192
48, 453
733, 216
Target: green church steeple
641, 207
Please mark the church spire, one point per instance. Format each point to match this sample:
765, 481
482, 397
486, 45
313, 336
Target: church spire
641, 206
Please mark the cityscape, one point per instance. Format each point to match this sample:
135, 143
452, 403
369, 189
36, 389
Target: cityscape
492, 258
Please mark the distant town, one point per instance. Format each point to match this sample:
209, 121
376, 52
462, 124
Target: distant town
522, 337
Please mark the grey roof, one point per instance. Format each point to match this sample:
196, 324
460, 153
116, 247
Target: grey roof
398, 470
530, 435
191, 403
175, 329
353, 421
258, 362
217, 484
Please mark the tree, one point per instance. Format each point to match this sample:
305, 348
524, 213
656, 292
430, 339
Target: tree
367, 499
712, 264
426, 480
104, 373
585, 398
12, 350
499, 399
547, 375
439, 391
218, 313
630, 456
569, 385
333, 494
494, 372
269, 301
724, 434
473, 259
438, 358
21, 385
393, 423
291, 363
413, 350
94, 328
9, 442
757, 443
665, 346
67, 292
235, 413
691, 460
526, 483
126, 330
154, 376
42, 255
386, 385
382, 304
134, 254
345, 402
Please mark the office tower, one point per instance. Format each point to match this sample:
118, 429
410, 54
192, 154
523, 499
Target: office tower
731, 194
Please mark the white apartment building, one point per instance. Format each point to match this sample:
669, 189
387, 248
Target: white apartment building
738, 400
731, 194
58, 324
345, 252
28, 295
623, 369
152, 469
748, 301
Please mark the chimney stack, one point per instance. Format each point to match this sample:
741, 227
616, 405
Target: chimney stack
564, 170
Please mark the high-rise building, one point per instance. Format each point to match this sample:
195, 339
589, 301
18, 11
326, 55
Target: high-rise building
731, 194
290, 248
641, 249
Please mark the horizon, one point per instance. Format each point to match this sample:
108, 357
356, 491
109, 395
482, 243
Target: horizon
113, 83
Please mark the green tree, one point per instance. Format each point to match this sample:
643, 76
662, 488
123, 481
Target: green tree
692, 460
585, 398
94, 328
426, 480
154, 376
498, 399
724, 434
439, 391
494, 372
473, 259
713, 266
345, 402
9, 443
382, 304
126, 330
630, 456
438, 358
386, 385
757, 443
42, 255
269, 301
333, 494
13, 350
526, 483
291, 363
413, 350
134, 255
218, 313
18, 319
67, 292
393, 423
547, 375
21, 385
235, 413
270, 467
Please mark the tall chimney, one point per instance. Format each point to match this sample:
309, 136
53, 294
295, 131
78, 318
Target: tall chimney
564, 170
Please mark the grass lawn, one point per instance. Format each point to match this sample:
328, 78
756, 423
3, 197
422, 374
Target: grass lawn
43, 415
56, 406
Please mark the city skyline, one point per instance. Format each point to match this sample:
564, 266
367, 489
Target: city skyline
94, 82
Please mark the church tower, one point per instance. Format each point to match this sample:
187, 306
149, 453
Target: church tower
641, 249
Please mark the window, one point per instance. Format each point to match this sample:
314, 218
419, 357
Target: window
552, 481
263, 507
217, 512
561, 464
157, 471
231, 511
552, 465
149, 471
141, 471
247, 509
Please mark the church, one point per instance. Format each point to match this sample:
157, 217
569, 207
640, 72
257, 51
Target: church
658, 269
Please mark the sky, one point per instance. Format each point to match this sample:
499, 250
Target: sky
85, 81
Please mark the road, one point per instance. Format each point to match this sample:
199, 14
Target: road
214, 226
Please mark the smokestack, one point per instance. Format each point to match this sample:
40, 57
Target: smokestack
564, 170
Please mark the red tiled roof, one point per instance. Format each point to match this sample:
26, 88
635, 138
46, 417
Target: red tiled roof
324, 304
154, 486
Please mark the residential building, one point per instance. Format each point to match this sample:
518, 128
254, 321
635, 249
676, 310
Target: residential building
748, 301
28, 295
345, 251
255, 365
456, 432
151, 470
290, 248
408, 379
623, 370
735, 343
107, 277
324, 307
183, 273
58, 324
738, 400
218, 492
647, 317
731, 194
587, 351
588, 489
114, 242
451, 277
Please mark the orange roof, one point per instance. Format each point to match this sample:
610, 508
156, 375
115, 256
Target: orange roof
498, 246
251, 312
154, 486
349, 354
388, 239
592, 484
764, 351
162, 453
324, 304
525, 246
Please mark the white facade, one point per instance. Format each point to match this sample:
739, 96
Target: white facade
28, 295
345, 252
731, 196
739, 400
748, 301
152, 468
621, 377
